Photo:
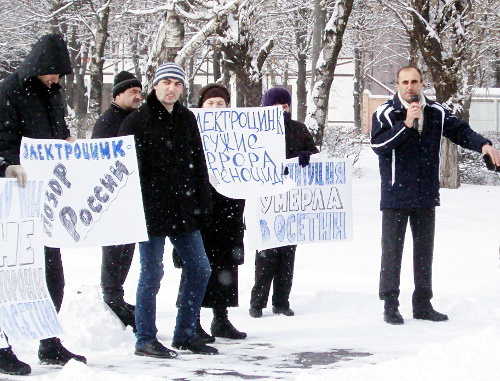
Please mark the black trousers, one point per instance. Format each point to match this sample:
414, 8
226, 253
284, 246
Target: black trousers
54, 275
273, 266
422, 223
116, 261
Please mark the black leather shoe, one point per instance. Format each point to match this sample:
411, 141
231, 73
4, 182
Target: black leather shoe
392, 316
10, 364
52, 352
255, 312
196, 345
283, 311
155, 349
430, 314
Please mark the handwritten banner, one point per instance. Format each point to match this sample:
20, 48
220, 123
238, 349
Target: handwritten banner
318, 209
26, 309
245, 150
92, 194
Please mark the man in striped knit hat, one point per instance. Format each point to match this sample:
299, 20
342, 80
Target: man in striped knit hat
177, 204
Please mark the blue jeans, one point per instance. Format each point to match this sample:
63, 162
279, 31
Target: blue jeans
197, 271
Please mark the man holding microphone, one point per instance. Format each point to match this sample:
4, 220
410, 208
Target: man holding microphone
406, 135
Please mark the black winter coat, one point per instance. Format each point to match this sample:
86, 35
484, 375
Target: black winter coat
108, 125
172, 168
28, 107
409, 163
297, 138
223, 238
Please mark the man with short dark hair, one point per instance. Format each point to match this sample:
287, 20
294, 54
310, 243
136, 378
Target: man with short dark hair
177, 204
116, 259
406, 135
31, 105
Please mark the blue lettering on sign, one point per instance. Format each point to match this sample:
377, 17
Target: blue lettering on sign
279, 227
302, 227
264, 230
75, 151
234, 155
303, 199
68, 217
32, 320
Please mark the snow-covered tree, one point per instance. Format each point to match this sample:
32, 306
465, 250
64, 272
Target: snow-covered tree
317, 113
450, 36
245, 49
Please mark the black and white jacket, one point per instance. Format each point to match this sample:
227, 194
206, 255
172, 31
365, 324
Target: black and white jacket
409, 162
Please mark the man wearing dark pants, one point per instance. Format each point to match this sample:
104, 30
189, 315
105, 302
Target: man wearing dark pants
31, 105
406, 135
394, 222
116, 259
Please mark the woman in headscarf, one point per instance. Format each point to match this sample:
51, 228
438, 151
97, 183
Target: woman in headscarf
223, 241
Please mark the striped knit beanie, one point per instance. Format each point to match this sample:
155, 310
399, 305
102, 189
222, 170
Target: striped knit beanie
169, 70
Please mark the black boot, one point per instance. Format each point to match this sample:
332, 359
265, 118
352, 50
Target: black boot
10, 364
283, 311
196, 345
124, 312
425, 311
222, 327
52, 352
200, 332
391, 313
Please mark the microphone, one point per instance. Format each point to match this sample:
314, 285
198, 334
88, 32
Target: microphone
489, 163
415, 99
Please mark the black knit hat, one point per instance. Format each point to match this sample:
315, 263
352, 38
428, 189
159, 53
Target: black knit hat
123, 81
275, 96
213, 90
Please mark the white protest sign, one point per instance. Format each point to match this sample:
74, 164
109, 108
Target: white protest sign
318, 209
245, 150
92, 194
26, 309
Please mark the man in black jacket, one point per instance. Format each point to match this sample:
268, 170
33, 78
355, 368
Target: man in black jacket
177, 204
406, 135
116, 259
31, 105
276, 265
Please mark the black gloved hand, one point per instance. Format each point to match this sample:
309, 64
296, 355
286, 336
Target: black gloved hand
304, 157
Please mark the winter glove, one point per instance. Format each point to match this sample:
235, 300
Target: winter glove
304, 157
18, 172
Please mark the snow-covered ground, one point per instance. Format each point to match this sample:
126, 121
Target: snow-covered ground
338, 323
